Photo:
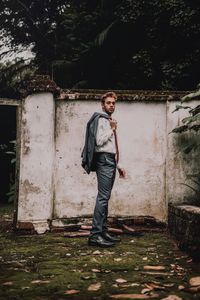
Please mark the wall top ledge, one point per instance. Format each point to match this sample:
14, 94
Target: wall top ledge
39, 84
123, 95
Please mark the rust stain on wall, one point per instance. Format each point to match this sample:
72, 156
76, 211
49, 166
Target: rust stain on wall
26, 136
28, 188
26, 142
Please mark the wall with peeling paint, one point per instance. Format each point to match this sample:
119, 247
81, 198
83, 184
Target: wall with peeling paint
142, 137
53, 185
36, 160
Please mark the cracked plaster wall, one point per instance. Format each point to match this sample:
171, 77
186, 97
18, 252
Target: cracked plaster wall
142, 138
53, 185
36, 158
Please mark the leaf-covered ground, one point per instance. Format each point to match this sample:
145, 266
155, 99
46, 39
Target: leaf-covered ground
51, 266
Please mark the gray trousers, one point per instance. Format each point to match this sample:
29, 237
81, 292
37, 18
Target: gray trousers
106, 171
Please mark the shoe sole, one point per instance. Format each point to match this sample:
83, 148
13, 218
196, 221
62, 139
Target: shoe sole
99, 245
114, 241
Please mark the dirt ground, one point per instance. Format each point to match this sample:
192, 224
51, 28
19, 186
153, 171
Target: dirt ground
52, 266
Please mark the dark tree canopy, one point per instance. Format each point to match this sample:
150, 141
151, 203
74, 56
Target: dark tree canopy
111, 44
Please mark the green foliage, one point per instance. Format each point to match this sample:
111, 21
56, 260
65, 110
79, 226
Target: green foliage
194, 184
192, 122
11, 194
125, 44
12, 75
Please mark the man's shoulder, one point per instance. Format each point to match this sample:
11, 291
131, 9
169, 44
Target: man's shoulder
97, 115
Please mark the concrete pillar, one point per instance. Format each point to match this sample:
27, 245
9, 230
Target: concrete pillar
35, 198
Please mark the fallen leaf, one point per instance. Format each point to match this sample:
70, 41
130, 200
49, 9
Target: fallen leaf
87, 277
195, 281
7, 283
40, 281
172, 297
181, 287
125, 285
117, 259
96, 270
156, 268
76, 234
107, 271
169, 284
135, 284
146, 290
71, 292
134, 296
94, 287
109, 252
120, 280
157, 273
97, 252
154, 286
194, 289
145, 258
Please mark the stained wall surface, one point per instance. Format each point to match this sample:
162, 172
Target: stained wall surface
54, 186
36, 160
142, 138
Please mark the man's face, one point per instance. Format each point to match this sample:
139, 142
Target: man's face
109, 105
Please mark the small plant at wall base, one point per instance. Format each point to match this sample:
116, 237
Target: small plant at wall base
191, 122
12, 153
194, 186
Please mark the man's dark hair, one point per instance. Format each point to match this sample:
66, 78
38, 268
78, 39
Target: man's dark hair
108, 94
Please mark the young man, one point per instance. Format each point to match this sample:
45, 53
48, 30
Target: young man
101, 155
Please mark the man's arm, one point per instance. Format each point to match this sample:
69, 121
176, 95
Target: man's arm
104, 132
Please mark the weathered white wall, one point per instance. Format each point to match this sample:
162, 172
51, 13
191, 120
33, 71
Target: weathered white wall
36, 160
142, 136
53, 185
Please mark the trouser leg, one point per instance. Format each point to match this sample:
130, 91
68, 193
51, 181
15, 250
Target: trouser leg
105, 170
106, 211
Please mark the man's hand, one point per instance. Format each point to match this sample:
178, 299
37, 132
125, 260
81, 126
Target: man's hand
113, 124
122, 173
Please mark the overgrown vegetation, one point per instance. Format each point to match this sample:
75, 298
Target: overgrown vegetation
52, 266
107, 43
189, 124
11, 193
12, 75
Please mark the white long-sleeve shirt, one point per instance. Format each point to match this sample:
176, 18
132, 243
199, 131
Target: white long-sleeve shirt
105, 139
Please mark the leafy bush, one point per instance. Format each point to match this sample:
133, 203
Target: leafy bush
12, 153
191, 123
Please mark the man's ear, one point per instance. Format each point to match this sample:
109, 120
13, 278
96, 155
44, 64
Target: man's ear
102, 106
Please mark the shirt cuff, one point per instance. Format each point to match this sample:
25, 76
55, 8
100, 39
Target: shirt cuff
119, 166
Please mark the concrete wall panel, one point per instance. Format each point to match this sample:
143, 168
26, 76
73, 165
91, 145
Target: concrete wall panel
142, 138
37, 156
53, 185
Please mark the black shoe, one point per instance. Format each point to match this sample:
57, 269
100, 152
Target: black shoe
110, 238
99, 242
